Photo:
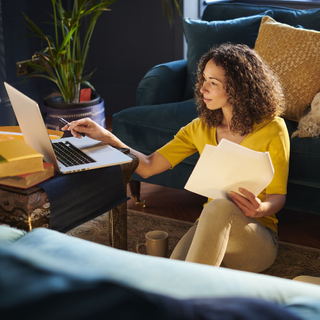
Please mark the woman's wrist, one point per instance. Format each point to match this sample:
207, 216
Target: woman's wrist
111, 139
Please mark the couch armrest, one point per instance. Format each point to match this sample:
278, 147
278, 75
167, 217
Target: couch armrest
163, 83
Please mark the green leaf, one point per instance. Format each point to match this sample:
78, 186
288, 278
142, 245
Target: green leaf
33, 27
64, 56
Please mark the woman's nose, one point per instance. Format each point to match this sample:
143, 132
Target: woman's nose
203, 88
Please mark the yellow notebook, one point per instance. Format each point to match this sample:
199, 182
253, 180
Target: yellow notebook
16, 157
27, 180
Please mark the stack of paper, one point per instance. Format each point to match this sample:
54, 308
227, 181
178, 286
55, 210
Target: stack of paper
227, 167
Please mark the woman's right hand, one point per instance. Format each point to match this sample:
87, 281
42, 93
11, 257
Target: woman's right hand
94, 131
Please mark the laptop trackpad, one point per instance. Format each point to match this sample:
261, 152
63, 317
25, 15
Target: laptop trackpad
97, 150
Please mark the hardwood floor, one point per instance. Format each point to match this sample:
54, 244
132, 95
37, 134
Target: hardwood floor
294, 227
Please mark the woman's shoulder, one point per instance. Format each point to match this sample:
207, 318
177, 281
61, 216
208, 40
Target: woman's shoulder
278, 121
194, 124
274, 124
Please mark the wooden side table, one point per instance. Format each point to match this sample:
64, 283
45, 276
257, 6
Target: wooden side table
27, 209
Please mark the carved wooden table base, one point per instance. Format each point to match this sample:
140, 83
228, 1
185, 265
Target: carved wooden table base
27, 209
24, 209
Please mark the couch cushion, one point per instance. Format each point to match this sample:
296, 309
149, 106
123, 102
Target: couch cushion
308, 18
304, 160
304, 157
293, 54
40, 284
9, 235
56, 253
147, 128
164, 83
202, 35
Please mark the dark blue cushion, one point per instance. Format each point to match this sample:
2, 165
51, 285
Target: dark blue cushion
164, 83
304, 157
202, 35
308, 18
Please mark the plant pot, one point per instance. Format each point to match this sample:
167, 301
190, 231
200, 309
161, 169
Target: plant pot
58, 102
55, 107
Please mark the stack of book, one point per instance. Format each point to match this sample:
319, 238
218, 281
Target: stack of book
21, 166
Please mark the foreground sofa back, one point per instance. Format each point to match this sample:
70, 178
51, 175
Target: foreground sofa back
165, 99
45, 274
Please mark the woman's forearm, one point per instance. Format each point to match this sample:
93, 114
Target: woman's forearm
272, 204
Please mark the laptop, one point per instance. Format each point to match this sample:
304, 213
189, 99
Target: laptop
88, 153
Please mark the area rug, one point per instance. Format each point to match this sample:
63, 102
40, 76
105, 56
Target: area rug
292, 261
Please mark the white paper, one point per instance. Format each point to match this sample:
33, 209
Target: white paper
227, 167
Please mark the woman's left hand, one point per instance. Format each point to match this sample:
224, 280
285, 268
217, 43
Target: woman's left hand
249, 203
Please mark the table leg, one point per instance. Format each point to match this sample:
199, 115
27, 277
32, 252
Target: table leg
118, 226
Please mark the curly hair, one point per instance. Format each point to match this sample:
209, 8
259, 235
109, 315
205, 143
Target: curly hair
252, 88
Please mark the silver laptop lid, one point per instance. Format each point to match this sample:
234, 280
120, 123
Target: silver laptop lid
31, 124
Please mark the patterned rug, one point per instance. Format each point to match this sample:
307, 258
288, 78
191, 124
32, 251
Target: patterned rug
293, 260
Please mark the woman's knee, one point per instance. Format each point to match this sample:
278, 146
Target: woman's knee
219, 209
181, 250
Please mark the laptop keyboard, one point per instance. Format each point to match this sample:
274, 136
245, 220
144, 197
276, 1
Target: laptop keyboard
69, 155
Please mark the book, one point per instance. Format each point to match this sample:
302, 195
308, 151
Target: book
14, 132
227, 167
16, 157
25, 181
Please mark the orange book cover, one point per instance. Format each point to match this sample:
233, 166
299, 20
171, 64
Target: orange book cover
28, 180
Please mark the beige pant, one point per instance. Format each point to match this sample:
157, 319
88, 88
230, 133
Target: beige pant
224, 236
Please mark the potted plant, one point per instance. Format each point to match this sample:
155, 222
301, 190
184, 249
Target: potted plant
63, 59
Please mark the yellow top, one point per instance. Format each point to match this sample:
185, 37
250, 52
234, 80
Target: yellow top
270, 135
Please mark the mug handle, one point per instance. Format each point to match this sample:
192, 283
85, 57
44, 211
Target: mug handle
138, 247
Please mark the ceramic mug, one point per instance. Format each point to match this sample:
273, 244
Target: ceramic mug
156, 243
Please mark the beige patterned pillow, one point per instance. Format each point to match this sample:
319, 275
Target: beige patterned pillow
294, 55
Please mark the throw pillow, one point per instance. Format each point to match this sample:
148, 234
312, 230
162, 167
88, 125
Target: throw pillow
202, 35
294, 55
309, 124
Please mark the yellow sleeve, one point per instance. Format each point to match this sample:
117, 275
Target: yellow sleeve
279, 150
182, 145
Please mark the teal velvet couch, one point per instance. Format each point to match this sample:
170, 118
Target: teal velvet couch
48, 275
164, 101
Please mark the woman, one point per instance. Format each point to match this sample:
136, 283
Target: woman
239, 99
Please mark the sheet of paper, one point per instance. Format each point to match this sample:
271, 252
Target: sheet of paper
227, 167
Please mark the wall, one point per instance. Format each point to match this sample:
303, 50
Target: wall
13, 48
129, 40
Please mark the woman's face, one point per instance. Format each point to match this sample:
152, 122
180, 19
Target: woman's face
214, 88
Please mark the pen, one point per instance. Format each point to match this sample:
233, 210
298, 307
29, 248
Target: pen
65, 122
